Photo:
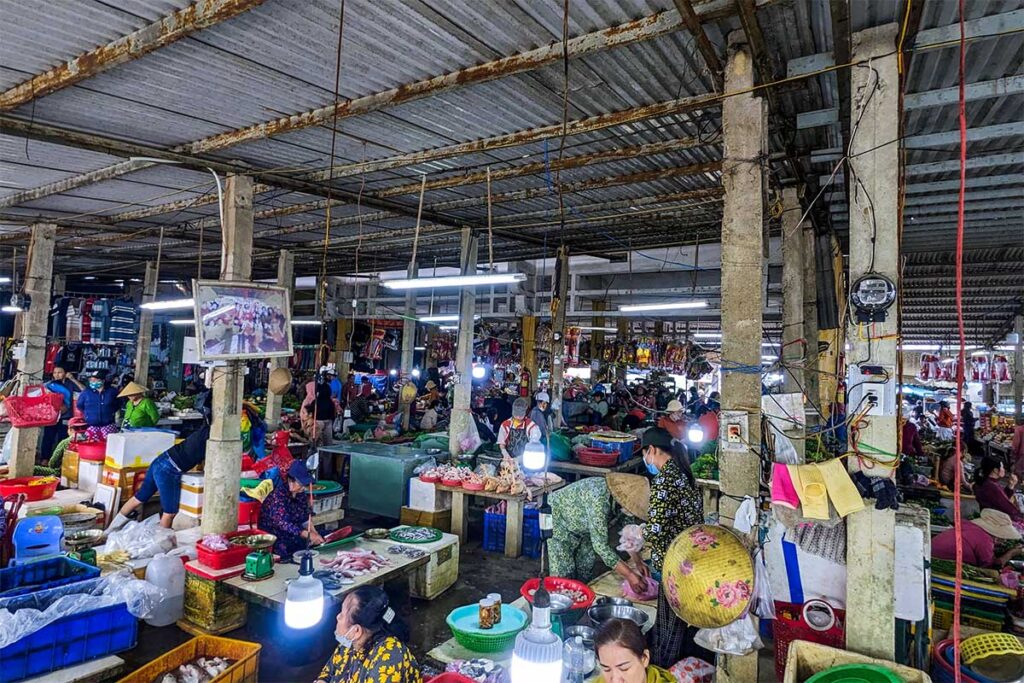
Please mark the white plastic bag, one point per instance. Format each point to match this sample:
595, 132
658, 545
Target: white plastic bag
761, 602
139, 540
738, 638
8, 447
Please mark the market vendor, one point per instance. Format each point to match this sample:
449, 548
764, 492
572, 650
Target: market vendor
286, 513
597, 411
623, 656
431, 392
582, 514
164, 475
978, 541
990, 493
672, 420
371, 642
64, 383
429, 419
98, 403
676, 505
1017, 449
950, 466
517, 431
539, 415
139, 409
910, 440
944, 422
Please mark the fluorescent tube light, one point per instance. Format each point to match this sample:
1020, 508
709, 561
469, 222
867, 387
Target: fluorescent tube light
183, 321
419, 348
587, 328
637, 308
307, 323
707, 335
169, 305
455, 281
448, 327
444, 318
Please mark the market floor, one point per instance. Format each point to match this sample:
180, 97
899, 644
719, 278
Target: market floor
291, 661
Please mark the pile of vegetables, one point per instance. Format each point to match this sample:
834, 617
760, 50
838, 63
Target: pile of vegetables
705, 466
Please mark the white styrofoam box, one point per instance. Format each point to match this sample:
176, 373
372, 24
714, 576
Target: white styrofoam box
193, 480
193, 500
137, 448
426, 497
328, 503
89, 475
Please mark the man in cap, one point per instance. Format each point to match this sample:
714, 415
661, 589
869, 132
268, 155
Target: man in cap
672, 420
517, 431
582, 516
539, 415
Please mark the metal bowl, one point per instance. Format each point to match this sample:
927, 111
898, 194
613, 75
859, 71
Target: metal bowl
377, 533
602, 613
560, 603
84, 537
607, 600
255, 541
585, 632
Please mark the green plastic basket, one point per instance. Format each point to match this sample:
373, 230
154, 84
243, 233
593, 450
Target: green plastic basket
499, 639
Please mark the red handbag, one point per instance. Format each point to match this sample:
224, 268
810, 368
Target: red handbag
35, 407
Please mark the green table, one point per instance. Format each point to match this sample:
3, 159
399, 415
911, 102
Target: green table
379, 475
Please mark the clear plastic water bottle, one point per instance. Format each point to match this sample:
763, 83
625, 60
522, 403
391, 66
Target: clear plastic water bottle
578, 660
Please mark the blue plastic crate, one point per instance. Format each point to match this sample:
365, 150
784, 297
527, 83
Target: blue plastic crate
69, 641
41, 575
625, 448
494, 532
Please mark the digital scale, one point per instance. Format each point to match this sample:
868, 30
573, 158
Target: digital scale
259, 564
81, 545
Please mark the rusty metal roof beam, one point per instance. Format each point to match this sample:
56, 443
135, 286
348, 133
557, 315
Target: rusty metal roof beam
707, 50
171, 28
639, 30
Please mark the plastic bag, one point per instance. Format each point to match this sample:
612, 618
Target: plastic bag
24, 615
693, 670
7, 449
650, 593
631, 539
139, 540
761, 602
738, 638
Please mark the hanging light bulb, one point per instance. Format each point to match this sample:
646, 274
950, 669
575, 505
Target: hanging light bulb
304, 603
537, 656
535, 457
694, 434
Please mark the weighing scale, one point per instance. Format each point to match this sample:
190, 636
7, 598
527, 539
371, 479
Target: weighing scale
81, 544
259, 564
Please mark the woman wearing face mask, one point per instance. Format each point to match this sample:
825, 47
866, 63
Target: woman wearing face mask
371, 644
98, 404
623, 655
676, 505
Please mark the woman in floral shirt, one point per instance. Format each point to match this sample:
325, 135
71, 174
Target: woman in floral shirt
370, 643
676, 505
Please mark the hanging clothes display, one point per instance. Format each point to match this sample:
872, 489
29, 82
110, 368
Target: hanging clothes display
122, 321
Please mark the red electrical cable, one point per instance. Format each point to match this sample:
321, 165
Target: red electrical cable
961, 360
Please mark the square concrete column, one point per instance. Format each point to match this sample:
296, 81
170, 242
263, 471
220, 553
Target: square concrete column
224, 449
873, 177
285, 278
461, 409
31, 326
529, 329
743, 121
597, 338
409, 327
793, 282
812, 377
558, 332
145, 336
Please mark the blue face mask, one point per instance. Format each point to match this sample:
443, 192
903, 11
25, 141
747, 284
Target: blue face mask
651, 469
96, 385
344, 640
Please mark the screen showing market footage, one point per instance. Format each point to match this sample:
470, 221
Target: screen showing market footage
242, 320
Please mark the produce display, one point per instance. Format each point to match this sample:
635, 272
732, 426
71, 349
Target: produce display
573, 594
479, 670
416, 534
199, 670
356, 562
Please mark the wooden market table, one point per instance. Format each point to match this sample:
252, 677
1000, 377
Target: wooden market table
608, 584
513, 514
271, 592
579, 470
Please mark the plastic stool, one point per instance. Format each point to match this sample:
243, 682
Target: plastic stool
36, 538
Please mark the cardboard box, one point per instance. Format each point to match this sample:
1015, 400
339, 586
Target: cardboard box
126, 479
137, 448
442, 519
426, 497
89, 474
69, 470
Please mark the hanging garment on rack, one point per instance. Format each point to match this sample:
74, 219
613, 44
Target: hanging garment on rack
100, 313
58, 317
73, 328
52, 351
87, 320
122, 321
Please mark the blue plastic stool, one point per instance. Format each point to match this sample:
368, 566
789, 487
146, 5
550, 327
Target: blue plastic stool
36, 538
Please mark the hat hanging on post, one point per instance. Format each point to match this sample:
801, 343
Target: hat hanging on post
280, 381
708, 576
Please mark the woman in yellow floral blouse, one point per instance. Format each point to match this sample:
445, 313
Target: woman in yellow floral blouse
370, 643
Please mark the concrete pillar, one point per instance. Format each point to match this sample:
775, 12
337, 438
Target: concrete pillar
409, 327
461, 411
793, 280
1018, 367
529, 326
812, 375
597, 340
743, 120
145, 338
558, 334
622, 335
32, 325
874, 246
224, 449
285, 278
